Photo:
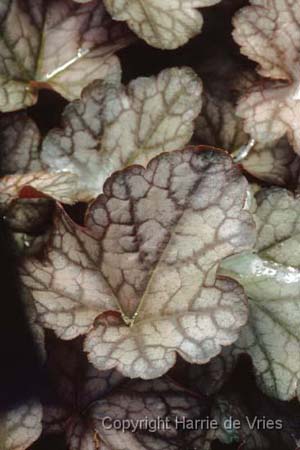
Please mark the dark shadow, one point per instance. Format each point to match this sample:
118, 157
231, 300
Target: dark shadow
54, 442
21, 374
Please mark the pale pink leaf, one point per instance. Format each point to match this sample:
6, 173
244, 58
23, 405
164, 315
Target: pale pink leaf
59, 186
218, 125
274, 163
158, 237
168, 296
113, 127
268, 32
164, 24
57, 45
69, 289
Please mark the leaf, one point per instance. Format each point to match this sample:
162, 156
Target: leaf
57, 45
29, 221
206, 379
218, 125
105, 399
269, 34
31, 215
20, 426
20, 140
68, 287
36, 329
275, 163
59, 186
224, 80
113, 127
158, 236
165, 25
271, 279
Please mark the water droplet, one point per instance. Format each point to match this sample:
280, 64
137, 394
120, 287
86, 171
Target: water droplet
27, 243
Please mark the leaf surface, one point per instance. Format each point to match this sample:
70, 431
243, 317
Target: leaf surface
158, 236
59, 186
268, 32
113, 127
57, 45
21, 426
271, 279
219, 125
105, 400
167, 25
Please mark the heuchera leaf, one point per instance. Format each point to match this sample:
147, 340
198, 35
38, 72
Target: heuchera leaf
113, 127
59, 186
37, 330
219, 125
91, 402
271, 279
30, 215
158, 236
274, 163
20, 426
167, 25
269, 34
57, 45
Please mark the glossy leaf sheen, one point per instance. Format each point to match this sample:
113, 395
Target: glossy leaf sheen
271, 279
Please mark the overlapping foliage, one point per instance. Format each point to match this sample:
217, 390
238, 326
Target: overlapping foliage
156, 224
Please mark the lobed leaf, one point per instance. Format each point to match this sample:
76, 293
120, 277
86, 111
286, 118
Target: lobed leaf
108, 129
156, 237
57, 45
271, 279
268, 32
102, 399
167, 25
113, 127
218, 124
